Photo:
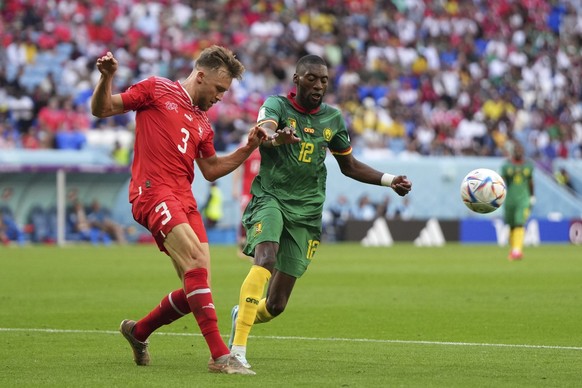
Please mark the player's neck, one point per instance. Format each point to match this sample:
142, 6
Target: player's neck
190, 91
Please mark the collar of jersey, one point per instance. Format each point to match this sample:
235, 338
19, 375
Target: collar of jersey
186, 92
291, 98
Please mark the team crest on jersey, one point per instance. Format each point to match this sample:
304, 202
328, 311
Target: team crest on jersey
258, 228
171, 106
327, 134
292, 123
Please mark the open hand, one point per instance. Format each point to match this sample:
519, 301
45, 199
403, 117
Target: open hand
286, 136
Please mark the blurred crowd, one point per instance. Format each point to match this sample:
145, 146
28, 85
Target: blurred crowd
413, 77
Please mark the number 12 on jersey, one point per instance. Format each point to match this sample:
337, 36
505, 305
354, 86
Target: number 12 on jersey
306, 151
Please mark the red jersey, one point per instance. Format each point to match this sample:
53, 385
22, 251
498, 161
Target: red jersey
250, 170
170, 134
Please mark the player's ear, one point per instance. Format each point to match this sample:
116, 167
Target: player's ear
295, 79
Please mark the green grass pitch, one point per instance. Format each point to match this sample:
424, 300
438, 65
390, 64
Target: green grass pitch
455, 316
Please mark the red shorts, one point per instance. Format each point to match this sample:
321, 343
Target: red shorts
159, 212
244, 201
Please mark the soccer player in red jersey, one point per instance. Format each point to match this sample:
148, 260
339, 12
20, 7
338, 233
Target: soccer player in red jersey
242, 181
172, 132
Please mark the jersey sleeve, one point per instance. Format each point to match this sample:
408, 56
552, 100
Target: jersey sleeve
138, 95
271, 111
340, 142
206, 148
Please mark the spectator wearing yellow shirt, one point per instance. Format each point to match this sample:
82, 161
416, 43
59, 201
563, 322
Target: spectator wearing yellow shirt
496, 107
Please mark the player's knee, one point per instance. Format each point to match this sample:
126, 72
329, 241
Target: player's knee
276, 308
266, 256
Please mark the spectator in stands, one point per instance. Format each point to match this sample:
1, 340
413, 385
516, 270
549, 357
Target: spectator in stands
337, 214
9, 228
51, 116
121, 154
402, 210
4, 239
78, 223
489, 57
242, 180
563, 178
212, 209
8, 136
100, 218
365, 210
21, 107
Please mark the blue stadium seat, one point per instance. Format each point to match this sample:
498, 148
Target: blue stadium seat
70, 140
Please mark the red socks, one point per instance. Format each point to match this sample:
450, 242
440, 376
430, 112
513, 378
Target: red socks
195, 297
172, 307
200, 300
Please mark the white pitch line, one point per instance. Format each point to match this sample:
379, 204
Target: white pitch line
444, 343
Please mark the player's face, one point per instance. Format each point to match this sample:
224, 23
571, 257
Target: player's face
311, 86
518, 152
213, 85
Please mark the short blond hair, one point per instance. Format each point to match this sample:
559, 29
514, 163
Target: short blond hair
218, 57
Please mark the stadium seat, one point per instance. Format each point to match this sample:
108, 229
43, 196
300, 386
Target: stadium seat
70, 140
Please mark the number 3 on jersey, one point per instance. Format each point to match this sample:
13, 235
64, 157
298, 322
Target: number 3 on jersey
306, 151
183, 148
162, 208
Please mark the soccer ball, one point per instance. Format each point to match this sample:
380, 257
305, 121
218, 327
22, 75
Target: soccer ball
483, 190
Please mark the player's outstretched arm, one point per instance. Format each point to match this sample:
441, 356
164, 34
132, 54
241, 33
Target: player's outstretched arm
277, 137
353, 168
216, 167
103, 103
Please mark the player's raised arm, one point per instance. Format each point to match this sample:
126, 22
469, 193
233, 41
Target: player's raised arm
103, 102
353, 168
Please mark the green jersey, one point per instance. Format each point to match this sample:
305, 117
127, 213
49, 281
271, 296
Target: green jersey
295, 174
517, 177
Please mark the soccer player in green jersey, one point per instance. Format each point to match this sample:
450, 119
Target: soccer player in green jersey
518, 176
283, 220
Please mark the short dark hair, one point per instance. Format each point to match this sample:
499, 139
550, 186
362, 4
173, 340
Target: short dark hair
218, 57
309, 60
